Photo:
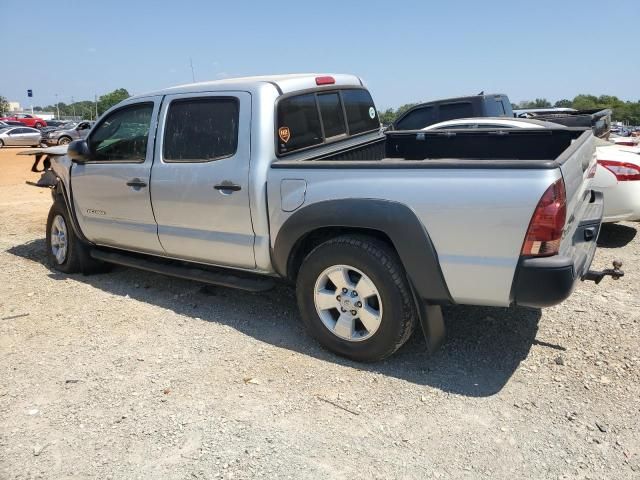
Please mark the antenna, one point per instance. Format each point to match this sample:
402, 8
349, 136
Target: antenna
193, 75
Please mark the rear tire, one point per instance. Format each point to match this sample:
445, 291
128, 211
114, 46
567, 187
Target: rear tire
65, 251
64, 141
38, 126
372, 314
1, 144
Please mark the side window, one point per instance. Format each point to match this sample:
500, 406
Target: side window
332, 114
298, 123
416, 119
123, 135
362, 115
450, 111
201, 129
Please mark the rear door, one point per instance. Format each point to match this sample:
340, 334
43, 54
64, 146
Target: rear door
200, 178
111, 190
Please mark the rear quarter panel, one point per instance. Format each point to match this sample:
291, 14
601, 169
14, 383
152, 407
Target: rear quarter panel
476, 218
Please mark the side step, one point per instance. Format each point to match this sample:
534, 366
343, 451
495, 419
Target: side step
221, 277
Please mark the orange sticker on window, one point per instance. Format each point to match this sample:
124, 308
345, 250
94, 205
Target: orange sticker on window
284, 134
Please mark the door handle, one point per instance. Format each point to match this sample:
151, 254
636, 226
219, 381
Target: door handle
136, 183
227, 187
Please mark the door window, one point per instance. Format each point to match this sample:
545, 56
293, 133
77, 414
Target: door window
201, 129
123, 135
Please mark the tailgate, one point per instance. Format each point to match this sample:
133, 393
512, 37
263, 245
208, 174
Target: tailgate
584, 207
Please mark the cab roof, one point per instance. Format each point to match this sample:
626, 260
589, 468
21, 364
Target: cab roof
283, 83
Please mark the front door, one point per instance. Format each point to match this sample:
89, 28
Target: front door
200, 178
111, 190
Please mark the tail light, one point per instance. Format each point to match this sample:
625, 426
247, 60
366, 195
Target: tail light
629, 143
622, 170
546, 226
325, 80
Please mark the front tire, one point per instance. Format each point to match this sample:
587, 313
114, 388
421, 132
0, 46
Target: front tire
38, 126
65, 251
355, 299
64, 141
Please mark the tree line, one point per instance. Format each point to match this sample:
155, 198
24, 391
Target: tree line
84, 108
623, 111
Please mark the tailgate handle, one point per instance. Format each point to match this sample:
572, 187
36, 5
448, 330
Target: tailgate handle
589, 234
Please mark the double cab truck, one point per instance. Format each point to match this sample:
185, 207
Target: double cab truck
245, 181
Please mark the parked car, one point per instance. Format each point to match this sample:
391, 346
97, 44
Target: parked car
19, 136
491, 123
63, 136
289, 176
482, 105
9, 123
625, 141
618, 177
56, 123
597, 119
26, 119
617, 174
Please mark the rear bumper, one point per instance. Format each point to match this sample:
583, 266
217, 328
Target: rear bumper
545, 281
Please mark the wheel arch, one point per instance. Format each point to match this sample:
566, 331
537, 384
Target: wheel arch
59, 193
392, 222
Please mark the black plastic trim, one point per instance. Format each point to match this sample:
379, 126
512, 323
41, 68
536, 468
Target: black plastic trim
395, 220
544, 282
189, 271
60, 189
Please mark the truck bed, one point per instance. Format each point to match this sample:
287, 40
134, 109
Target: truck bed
482, 148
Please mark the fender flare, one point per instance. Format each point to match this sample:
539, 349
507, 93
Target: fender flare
61, 190
397, 221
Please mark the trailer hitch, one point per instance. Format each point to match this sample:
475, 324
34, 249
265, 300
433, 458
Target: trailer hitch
614, 273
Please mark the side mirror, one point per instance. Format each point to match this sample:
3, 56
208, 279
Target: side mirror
78, 151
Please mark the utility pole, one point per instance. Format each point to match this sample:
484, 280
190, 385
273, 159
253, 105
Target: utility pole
193, 75
73, 104
57, 106
96, 100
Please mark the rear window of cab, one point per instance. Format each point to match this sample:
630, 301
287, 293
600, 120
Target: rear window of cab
323, 116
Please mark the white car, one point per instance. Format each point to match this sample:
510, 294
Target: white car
617, 175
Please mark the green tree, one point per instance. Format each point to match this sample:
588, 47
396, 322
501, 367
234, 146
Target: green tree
108, 100
4, 105
387, 117
564, 103
537, 103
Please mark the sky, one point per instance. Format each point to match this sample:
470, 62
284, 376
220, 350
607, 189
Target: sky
405, 51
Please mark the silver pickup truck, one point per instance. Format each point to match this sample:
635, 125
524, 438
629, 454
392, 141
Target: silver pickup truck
244, 181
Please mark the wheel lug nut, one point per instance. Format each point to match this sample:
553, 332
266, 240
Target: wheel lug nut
353, 312
354, 294
338, 298
359, 304
342, 309
344, 290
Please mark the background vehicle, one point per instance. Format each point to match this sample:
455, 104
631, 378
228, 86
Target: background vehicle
19, 136
9, 123
65, 135
27, 119
598, 120
618, 177
289, 176
56, 123
482, 105
490, 122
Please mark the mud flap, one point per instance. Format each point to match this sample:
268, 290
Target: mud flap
432, 325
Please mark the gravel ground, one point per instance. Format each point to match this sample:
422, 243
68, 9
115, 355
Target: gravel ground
134, 375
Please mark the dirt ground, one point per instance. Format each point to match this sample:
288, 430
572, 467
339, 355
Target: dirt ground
131, 375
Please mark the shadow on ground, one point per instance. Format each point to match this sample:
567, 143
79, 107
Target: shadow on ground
484, 345
615, 235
